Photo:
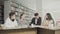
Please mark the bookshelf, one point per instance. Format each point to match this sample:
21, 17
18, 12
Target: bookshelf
1, 14
13, 6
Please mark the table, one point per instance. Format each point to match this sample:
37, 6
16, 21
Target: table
32, 30
19, 31
48, 30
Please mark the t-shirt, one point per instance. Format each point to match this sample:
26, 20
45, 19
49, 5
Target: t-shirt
10, 24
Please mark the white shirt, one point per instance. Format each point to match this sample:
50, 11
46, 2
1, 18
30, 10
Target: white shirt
10, 24
35, 21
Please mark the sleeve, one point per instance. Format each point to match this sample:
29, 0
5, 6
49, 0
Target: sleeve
7, 24
40, 21
31, 21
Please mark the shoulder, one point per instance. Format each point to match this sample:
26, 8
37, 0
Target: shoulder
7, 19
33, 18
39, 17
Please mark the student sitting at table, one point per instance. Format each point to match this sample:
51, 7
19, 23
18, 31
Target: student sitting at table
22, 22
48, 20
36, 20
11, 22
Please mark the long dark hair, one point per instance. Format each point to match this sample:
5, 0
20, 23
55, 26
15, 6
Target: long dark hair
49, 17
21, 15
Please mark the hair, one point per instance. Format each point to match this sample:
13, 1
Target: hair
49, 16
21, 15
36, 14
11, 14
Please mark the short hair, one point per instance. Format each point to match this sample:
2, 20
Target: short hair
11, 14
36, 14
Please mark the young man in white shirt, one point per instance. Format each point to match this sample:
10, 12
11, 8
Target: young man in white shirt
11, 21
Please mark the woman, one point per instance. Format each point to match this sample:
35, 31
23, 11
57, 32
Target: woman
22, 21
48, 20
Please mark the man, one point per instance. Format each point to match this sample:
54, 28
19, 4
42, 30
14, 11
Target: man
11, 21
36, 20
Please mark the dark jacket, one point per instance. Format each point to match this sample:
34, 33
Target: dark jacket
38, 21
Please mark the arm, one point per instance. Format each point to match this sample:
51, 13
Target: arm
40, 21
32, 21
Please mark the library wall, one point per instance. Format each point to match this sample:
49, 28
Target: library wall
1, 12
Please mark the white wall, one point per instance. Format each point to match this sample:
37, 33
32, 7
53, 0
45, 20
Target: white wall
39, 7
52, 6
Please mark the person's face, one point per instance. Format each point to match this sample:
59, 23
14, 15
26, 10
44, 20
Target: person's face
13, 16
23, 17
46, 16
36, 17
